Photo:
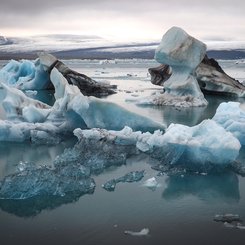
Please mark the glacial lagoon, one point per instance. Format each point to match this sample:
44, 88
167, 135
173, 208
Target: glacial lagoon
181, 208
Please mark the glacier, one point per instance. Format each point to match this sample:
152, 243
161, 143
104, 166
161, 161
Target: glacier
183, 53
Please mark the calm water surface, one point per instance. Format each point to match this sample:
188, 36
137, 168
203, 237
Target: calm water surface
179, 211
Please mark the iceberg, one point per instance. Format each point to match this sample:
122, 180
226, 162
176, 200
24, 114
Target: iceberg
29, 119
28, 75
25, 75
44, 181
231, 116
210, 76
183, 53
199, 147
204, 144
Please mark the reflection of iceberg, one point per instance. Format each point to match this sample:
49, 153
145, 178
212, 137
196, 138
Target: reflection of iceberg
13, 153
223, 187
34, 206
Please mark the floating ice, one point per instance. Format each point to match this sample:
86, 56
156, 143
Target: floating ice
25, 75
227, 218
143, 232
71, 110
46, 182
151, 183
133, 176
204, 144
183, 53
193, 147
231, 116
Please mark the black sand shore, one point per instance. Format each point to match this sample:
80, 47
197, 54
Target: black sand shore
103, 54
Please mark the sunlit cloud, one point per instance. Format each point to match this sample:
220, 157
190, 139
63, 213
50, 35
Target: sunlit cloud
124, 20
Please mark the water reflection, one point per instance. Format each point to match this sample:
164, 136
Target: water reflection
210, 188
33, 206
13, 153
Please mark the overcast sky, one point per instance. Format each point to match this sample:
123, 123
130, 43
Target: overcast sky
124, 20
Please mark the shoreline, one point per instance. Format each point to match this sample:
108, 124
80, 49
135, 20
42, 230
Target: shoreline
100, 55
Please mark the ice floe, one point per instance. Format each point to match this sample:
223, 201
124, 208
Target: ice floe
231, 116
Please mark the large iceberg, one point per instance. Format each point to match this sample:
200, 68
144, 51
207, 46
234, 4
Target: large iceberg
200, 147
231, 116
210, 76
183, 53
28, 75
29, 119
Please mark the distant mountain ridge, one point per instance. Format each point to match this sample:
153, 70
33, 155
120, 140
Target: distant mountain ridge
66, 46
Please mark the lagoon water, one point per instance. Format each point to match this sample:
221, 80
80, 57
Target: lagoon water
180, 210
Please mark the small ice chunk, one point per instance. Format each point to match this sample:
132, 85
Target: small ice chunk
31, 92
151, 183
133, 176
226, 218
110, 185
240, 226
229, 225
143, 232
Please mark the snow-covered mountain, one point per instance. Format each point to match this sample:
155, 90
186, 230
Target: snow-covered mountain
91, 46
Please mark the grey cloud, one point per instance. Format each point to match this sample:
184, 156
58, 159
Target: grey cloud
203, 18
40, 6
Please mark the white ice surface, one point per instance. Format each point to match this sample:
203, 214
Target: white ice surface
231, 116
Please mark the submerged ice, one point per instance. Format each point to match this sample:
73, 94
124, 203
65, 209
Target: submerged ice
130, 177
